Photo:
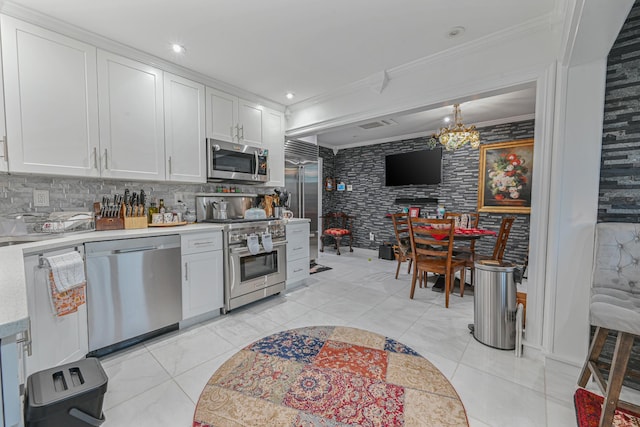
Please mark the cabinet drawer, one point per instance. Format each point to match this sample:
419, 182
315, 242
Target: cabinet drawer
201, 242
297, 230
298, 248
297, 269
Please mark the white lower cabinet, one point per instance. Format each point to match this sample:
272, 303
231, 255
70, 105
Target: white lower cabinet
297, 252
202, 273
54, 340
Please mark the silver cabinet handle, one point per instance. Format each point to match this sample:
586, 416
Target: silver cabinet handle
5, 148
186, 272
106, 159
26, 340
95, 157
169, 165
210, 242
242, 134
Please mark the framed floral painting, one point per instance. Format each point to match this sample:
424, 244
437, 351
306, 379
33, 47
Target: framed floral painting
504, 178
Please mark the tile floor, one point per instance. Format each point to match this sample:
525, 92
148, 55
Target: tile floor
158, 383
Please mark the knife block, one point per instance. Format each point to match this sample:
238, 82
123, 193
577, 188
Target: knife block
107, 223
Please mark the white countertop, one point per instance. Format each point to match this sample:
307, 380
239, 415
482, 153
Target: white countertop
13, 296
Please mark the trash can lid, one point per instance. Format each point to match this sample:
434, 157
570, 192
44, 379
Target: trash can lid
495, 265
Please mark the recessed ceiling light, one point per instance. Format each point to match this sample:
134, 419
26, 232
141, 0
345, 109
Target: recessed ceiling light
447, 119
178, 48
290, 95
456, 32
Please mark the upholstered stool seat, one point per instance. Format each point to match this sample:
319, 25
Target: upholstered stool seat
614, 306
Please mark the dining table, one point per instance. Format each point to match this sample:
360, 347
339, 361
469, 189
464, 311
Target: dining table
459, 234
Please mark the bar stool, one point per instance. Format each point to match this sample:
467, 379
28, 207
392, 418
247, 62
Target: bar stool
614, 306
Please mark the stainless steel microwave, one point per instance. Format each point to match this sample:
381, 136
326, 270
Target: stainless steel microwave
236, 162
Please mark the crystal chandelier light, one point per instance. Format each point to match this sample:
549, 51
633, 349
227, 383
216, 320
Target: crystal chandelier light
457, 135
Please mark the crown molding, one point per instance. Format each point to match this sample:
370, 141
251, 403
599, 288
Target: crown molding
52, 24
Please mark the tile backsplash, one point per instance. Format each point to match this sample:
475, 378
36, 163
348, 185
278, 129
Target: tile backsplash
78, 194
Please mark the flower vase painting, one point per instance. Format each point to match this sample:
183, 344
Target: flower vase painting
504, 179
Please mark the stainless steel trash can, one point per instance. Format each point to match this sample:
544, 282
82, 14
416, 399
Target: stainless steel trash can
494, 299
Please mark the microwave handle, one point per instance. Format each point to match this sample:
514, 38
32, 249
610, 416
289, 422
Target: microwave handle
255, 173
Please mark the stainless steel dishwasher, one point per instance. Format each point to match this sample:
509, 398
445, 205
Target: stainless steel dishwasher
133, 290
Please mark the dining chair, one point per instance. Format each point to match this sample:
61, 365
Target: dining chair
613, 307
337, 225
401, 229
432, 246
498, 249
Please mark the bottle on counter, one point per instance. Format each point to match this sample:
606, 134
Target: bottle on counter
440, 212
161, 208
151, 210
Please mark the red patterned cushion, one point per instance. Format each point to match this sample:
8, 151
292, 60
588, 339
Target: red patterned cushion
337, 231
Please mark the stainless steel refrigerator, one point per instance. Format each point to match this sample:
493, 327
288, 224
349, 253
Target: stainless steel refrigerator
301, 181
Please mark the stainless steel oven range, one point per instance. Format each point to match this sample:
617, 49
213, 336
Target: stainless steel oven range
252, 275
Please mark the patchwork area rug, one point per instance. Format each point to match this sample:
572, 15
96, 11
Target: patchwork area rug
589, 407
317, 268
328, 376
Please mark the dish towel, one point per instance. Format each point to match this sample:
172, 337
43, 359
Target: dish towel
67, 282
266, 242
252, 244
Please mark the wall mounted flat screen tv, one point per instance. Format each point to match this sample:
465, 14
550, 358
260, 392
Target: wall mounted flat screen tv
422, 167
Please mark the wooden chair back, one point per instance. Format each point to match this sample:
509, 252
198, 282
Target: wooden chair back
503, 236
423, 242
401, 230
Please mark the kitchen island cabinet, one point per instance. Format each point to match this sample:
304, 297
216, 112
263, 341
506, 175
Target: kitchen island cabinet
131, 118
233, 119
184, 124
51, 101
202, 274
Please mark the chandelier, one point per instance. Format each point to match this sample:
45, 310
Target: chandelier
457, 135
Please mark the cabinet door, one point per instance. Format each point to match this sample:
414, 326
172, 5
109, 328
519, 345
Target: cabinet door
274, 141
250, 117
184, 129
131, 118
51, 101
202, 283
55, 340
222, 115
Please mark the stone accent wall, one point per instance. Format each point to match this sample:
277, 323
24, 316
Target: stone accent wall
370, 200
620, 164
619, 199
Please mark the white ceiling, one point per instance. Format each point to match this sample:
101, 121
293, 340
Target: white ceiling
269, 47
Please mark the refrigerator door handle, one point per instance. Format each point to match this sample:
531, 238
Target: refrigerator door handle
301, 191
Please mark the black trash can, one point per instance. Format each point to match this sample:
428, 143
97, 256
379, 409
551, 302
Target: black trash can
385, 251
70, 395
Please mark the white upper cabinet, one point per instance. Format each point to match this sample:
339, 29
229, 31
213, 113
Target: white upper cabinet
51, 101
222, 115
273, 132
184, 129
232, 119
131, 118
250, 117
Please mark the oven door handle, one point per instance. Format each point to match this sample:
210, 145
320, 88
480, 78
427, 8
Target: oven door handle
245, 250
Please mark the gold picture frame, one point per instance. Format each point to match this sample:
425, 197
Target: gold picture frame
504, 177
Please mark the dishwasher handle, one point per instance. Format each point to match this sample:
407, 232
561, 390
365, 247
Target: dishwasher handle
141, 249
